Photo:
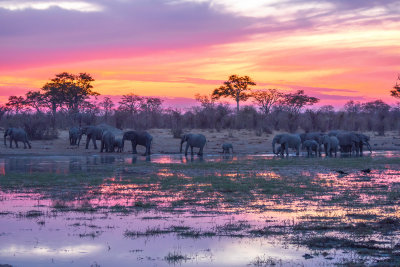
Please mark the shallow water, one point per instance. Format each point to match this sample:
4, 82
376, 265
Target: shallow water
37, 230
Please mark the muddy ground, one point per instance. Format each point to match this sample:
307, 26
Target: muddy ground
244, 142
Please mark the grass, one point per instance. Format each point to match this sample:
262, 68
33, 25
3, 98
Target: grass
175, 257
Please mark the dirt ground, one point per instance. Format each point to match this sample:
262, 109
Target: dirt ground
244, 142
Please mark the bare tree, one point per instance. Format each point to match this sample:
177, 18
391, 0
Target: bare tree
266, 99
205, 100
131, 104
107, 105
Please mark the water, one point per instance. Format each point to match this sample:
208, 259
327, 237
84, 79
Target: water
132, 214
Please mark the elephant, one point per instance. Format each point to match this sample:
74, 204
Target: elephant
363, 140
95, 133
226, 148
118, 144
16, 135
331, 144
317, 136
107, 141
138, 138
351, 142
287, 141
311, 146
92, 133
193, 140
73, 136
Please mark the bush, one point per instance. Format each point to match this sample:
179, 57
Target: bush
37, 128
177, 132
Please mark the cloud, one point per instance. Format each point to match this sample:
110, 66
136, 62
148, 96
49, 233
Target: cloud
42, 5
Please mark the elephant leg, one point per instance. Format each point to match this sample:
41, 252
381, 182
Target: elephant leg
24, 144
287, 149
29, 144
191, 150
148, 148
134, 151
94, 142
87, 141
16, 143
186, 149
101, 146
10, 142
201, 151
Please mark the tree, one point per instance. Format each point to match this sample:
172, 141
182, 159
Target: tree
69, 90
150, 106
35, 100
294, 102
205, 101
396, 89
266, 99
75, 89
16, 103
377, 110
235, 87
107, 104
130, 103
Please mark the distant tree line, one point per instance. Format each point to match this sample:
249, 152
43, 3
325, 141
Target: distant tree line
69, 100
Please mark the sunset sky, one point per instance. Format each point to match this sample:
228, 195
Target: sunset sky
336, 50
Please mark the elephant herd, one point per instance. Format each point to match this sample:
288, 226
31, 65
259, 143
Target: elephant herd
316, 142
113, 139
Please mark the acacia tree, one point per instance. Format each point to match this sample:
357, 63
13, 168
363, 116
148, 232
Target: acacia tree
35, 100
235, 87
75, 89
293, 103
16, 103
69, 90
396, 89
266, 99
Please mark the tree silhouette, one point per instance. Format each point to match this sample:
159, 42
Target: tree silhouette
35, 100
107, 104
294, 102
396, 89
68, 90
16, 103
266, 99
235, 87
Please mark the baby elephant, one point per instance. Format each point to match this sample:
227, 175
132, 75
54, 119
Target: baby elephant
118, 144
311, 146
226, 148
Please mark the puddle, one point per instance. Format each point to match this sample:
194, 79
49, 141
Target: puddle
249, 210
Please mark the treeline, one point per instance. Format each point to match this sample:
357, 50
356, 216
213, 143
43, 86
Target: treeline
69, 100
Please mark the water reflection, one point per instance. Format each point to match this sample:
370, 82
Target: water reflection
92, 216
